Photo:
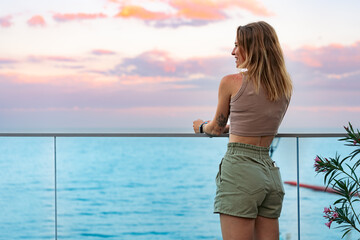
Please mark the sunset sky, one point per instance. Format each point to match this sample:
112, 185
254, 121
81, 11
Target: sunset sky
117, 65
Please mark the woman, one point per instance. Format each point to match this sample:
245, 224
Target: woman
249, 191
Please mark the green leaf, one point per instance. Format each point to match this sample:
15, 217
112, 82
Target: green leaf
346, 232
340, 200
354, 153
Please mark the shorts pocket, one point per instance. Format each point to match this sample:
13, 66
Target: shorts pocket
246, 177
279, 186
218, 175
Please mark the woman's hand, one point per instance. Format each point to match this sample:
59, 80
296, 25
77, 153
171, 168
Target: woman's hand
196, 125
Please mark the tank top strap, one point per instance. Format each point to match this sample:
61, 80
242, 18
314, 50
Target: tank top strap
241, 90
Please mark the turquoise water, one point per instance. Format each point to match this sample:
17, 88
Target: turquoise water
140, 188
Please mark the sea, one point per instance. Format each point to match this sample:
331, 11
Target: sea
143, 188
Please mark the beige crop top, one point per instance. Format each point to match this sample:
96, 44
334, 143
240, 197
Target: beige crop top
252, 114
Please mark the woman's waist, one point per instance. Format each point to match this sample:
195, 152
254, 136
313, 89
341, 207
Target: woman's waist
261, 141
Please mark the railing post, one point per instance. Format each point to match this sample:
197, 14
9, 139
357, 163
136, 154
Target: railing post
297, 184
55, 187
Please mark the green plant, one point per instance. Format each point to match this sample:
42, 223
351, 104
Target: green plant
341, 174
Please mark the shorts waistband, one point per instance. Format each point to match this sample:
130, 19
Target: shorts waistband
248, 149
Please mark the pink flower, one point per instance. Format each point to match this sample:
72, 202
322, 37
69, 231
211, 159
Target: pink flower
316, 164
328, 224
326, 210
335, 215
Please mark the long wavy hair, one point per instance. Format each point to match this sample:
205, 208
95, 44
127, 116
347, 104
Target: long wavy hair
264, 59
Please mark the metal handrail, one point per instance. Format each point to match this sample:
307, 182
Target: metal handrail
299, 135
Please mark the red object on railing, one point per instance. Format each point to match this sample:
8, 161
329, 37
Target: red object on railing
313, 187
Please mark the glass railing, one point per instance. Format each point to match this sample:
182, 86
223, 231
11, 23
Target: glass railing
144, 186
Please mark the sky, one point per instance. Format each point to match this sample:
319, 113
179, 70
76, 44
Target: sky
155, 65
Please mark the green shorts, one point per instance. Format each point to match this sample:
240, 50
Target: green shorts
248, 183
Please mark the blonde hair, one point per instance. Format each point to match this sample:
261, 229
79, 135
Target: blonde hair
264, 59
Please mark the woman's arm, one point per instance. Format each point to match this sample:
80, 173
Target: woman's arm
218, 125
227, 129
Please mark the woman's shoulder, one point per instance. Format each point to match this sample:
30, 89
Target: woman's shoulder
232, 79
232, 83
233, 76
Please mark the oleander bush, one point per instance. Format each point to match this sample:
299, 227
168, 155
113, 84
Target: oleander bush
342, 174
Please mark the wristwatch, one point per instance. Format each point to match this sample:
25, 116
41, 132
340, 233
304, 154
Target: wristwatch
201, 130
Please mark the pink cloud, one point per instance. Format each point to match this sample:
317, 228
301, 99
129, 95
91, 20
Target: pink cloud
136, 80
141, 13
77, 16
332, 59
51, 58
305, 55
60, 59
198, 10
84, 80
191, 12
161, 63
36, 21
7, 61
214, 10
90, 81
14, 77
162, 59
30, 91
255, 7
102, 52
344, 75
5, 21
76, 81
